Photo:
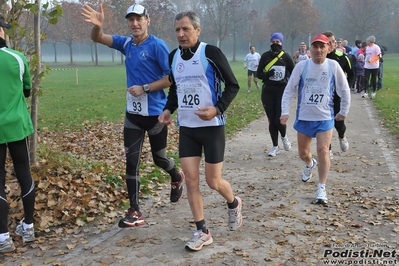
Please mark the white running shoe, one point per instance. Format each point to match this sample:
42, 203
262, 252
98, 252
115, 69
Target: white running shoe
344, 144
331, 155
372, 96
199, 240
307, 171
274, 151
286, 143
321, 197
365, 95
235, 216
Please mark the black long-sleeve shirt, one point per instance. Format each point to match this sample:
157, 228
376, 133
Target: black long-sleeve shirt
221, 68
285, 60
345, 63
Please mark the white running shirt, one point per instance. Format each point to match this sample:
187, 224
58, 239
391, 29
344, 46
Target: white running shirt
316, 83
252, 61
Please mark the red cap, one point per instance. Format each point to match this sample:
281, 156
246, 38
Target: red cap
320, 38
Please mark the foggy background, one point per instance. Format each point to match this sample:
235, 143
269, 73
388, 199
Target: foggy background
232, 25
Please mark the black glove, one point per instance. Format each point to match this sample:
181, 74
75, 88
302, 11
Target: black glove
270, 73
26, 93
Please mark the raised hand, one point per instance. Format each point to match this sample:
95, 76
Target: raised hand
92, 16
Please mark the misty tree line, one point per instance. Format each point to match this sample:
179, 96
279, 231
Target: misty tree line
233, 25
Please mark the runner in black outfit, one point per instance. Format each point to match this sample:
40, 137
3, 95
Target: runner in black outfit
275, 77
346, 66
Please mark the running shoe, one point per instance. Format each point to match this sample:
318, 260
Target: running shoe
331, 155
372, 95
307, 171
7, 245
365, 95
28, 234
199, 240
249, 90
321, 197
273, 152
132, 218
286, 143
344, 144
235, 216
176, 189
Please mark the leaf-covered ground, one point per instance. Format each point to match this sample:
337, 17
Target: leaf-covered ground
80, 178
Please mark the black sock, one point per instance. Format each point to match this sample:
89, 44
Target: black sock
201, 226
174, 175
233, 205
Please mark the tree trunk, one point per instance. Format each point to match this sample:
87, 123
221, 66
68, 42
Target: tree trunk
91, 51
35, 88
55, 52
96, 53
234, 47
70, 53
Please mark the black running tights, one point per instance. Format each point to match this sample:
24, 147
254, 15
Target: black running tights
271, 100
20, 157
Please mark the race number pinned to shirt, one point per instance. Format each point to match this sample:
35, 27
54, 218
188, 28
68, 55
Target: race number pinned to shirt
315, 95
190, 96
137, 105
279, 73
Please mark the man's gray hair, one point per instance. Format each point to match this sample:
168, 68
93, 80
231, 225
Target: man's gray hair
371, 39
192, 16
329, 34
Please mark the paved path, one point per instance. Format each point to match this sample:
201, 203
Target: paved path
281, 225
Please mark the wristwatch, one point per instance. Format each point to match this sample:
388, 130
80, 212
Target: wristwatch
146, 88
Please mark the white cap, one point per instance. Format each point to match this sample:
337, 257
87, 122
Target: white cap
138, 10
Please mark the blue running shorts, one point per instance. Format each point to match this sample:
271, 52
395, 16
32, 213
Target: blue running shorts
310, 128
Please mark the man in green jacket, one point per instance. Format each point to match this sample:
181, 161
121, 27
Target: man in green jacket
15, 127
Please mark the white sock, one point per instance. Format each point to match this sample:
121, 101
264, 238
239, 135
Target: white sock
323, 186
27, 226
310, 165
4, 236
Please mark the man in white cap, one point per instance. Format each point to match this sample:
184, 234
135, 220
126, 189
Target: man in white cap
315, 80
147, 74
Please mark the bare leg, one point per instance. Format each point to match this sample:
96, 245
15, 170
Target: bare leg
190, 166
323, 141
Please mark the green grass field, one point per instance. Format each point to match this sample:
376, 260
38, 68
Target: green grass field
100, 96
387, 98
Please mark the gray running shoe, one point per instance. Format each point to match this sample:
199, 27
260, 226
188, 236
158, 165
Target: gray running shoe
7, 245
235, 216
199, 240
28, 235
